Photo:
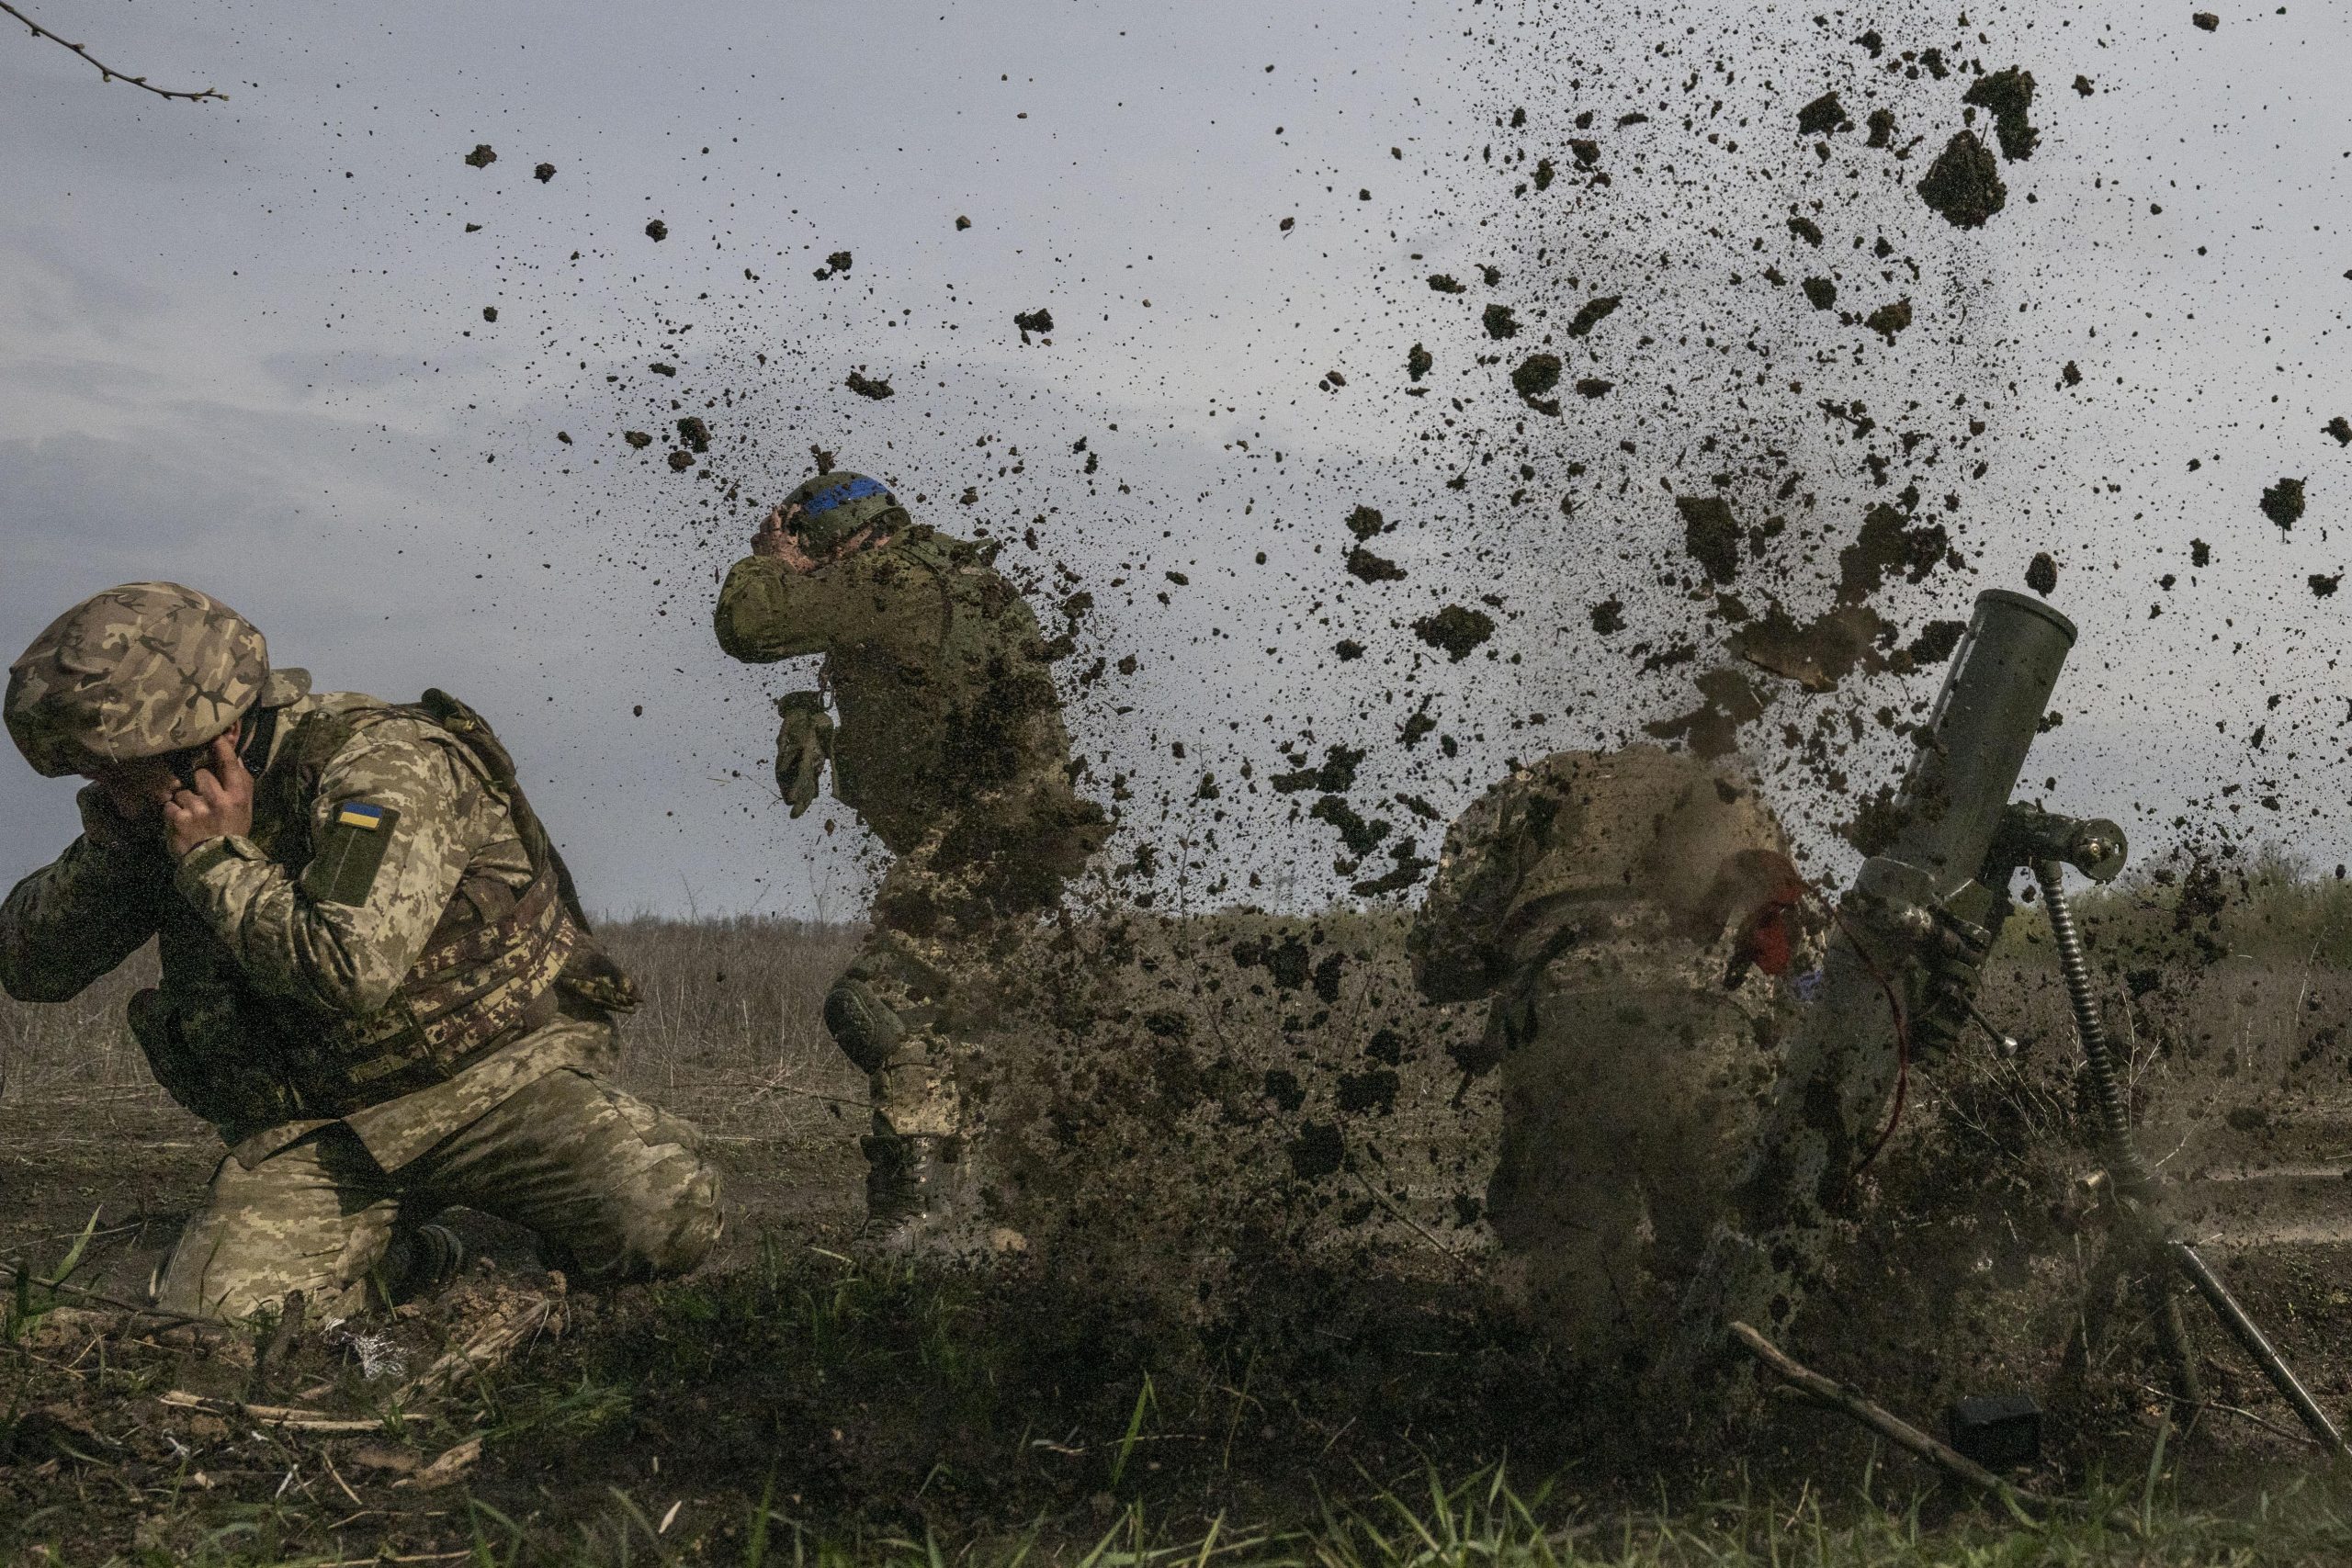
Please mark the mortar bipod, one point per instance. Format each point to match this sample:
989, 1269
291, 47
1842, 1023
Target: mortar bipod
2134, 1184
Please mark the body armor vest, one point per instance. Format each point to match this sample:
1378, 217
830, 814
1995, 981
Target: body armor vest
496, 966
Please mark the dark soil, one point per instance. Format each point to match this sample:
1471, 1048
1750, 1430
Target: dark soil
1821, 291
1710, 534
1964, 183
1822, 115
482, 157
2009, 94
866, 386
657, 231
1536, 375
2283, 502
2339, 427
1591, 313
1500, 321
2042, 573
1456, 630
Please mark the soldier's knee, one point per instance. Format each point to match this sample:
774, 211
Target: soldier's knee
860, 1023
670, 1221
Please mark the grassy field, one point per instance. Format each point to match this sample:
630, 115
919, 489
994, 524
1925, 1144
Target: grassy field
1221, 1346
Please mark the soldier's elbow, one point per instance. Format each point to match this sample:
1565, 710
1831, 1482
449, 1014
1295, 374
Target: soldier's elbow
27, 981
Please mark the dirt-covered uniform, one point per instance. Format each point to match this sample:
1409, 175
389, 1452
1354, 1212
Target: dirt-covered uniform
1630, 912
386, 1000
951, 747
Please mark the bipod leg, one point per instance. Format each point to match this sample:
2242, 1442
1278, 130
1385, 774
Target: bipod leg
2135, 1187
2257, 1347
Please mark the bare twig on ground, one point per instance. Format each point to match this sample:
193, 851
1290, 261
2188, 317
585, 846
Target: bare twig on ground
498, 1339
289, 1416
9, 1274
2304, 1438
107, 72
1901, 1433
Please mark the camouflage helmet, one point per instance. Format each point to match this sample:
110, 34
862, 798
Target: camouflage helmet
136, 671
833, 507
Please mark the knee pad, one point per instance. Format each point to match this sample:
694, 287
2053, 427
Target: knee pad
860, 1023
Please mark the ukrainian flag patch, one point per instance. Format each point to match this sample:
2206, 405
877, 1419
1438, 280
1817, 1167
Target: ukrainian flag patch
350, 852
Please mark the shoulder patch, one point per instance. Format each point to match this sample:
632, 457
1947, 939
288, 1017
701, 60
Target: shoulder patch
350, 853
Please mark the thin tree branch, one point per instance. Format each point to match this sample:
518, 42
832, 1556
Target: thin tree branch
107, 72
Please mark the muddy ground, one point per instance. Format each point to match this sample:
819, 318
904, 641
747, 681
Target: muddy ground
1261, 1345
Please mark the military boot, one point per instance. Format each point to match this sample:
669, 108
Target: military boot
423, 1262
918, 1197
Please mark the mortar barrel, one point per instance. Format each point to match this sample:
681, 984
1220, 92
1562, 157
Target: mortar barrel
1975, 739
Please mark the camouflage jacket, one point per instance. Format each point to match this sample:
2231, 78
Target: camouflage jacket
1637, 871
944, 686
281, 952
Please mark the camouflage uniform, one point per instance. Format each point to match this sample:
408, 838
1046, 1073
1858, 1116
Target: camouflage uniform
385, 997
1615, 906
951, 747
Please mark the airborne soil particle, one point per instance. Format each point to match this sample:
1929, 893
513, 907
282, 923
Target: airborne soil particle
1710, 534
1882, 124
1443, 282
1500, 321
544, 172
2009, 94
2340, 428
636, 438
1370, 567
1456, 630
1805, 229
1822, 115
695, 434
1711, 730
1593, 386
490, 313
1536, 375
2200, 554
1889, 319
2206, 21
2324, 584
2041, 574
1418, 362
1821, 291
1037, 321
657, 231
1609, 616
1964, 183
681, 460
2283, 502
864, 387
1815, 654
1592, 313
1366, 522
482, 157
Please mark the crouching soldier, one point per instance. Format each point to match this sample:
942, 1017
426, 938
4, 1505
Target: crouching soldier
1633, 914
377, 982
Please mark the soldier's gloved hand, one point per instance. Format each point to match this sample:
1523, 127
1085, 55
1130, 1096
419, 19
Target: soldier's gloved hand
1950, 967
803, 743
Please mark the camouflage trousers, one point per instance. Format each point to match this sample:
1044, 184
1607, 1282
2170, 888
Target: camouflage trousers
895, 1014
613, 1186
924, 987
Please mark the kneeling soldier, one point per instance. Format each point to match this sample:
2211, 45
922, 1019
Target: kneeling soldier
378, 984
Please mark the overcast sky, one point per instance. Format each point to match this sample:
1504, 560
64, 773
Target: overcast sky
243, 345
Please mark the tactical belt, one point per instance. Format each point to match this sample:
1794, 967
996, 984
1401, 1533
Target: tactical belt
464, 997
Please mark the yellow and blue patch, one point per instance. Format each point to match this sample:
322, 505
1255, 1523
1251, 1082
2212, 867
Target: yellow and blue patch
350, 852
